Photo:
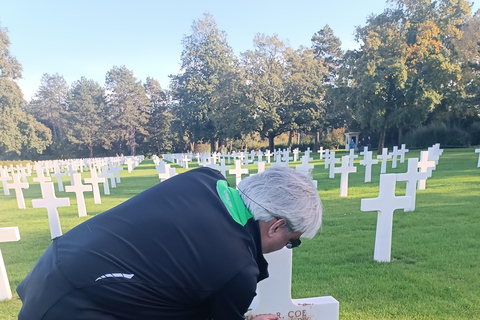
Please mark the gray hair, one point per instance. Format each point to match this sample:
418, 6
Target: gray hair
283, 193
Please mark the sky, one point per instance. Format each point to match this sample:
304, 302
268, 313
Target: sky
87, 38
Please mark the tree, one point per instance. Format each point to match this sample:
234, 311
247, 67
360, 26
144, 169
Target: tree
20, 133
49, 104
208, 64
266, 73
128, 106
327, 48
86, 114
405, 65
466, 107
158, 127
306, 90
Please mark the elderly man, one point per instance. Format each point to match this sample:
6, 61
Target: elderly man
188, 248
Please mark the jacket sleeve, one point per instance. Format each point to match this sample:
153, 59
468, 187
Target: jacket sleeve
232, 301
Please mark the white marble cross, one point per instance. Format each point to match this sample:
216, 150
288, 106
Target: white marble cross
327, 156
433, 155
22, 171
307, 153
352, 156
17, 185
274, 294
70, 172
331, 162
427, 166
384, 157
6, 235
223, 167
368, 162
108, 175
344, 170
365, 149
94, 180
238, 171
59, 175
115, 169
295, 154
478, 151
268, 155
40, 177
395, 153
185, 161
51, 203
385, 204
321, 152
305, 167
402, 151
412, 176
78, 188
4, 177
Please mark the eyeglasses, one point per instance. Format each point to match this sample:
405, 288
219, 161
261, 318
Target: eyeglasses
294, 243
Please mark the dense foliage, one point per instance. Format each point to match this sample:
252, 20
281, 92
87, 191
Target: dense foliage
417, 65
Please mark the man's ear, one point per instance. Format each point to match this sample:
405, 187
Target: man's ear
275, 226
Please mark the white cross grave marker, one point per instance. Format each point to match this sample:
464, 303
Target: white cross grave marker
94, 180
70, 172
385, 204
478, 151
115, 169
238, 171
51, 203
321, 152
6, 235
352, 156
368, 162
433, 155
327, 156
395, 153
412, 176
384, 157
427, 166
274, 294
402, 153
59, 175
305, 167
108, 174
223, 167
331, 162
344, 170
40, 177
268, 155
79, 189
4, 177
17, 185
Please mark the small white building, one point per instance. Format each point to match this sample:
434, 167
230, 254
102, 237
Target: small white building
349, 136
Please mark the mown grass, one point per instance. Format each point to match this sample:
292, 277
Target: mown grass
434, 273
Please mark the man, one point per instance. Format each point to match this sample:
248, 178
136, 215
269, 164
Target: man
188, 248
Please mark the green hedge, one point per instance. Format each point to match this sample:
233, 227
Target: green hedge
474, 132
437, 133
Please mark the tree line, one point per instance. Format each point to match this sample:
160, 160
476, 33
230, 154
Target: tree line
417, 64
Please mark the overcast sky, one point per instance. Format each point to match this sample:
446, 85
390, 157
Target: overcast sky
87, 38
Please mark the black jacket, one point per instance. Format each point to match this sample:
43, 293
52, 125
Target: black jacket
171, 252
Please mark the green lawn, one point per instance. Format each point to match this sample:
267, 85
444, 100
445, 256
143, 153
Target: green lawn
435, 268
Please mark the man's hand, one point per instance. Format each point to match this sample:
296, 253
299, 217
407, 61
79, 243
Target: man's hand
266, 317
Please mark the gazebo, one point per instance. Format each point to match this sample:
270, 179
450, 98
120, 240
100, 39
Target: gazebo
349, 136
